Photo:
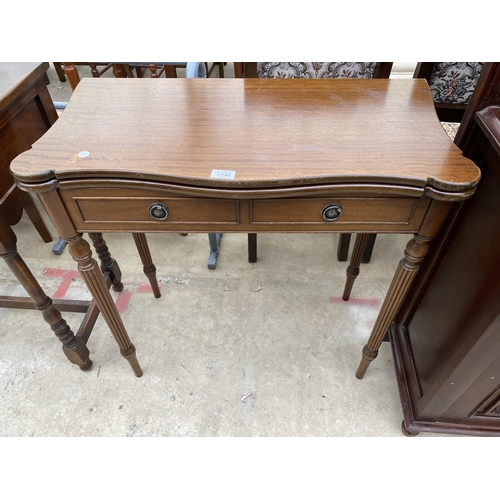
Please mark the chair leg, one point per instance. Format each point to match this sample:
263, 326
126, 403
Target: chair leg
238, 69
252, 247
59, 246
369, 249
36, 218
59, 71
74, 348
149, 268
108, 264
343, 248
214, 241
72, 75
170, 71
353, 269
210, 70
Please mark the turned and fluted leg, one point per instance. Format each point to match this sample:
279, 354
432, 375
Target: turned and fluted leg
149, 268
353, 269
74, 348
92, 276
108, 264
416, 250
81, 252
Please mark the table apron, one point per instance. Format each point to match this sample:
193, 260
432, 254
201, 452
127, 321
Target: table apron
116, 211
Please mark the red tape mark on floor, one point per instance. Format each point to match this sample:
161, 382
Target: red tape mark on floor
122, 298
67, 278
355, 301
122, 301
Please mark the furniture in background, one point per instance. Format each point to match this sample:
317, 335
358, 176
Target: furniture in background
408, 183
26, 113
446, 337
313, 70
170, 70
59, 71
452, 85
120, 70
74, 346
210, 69
127, 69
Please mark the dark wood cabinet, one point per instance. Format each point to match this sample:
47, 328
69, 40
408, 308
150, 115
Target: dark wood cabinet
26, 113
446, 338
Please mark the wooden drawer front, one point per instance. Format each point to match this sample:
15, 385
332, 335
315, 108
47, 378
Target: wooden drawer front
181, 210
362, 210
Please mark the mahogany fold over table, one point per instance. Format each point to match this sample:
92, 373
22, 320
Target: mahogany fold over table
247, 156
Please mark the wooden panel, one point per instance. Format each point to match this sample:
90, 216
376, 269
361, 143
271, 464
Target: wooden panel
300, 210
465, 285
26, 113
24, 126
181, 210
136, 210
446, 336
127, 210
15, 78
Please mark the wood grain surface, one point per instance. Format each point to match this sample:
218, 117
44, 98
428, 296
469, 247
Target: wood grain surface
269, 132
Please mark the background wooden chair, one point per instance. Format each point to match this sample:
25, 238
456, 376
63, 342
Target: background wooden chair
135, 70
452, 85
312, 69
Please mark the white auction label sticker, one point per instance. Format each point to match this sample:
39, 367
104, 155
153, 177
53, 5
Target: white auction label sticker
223, 174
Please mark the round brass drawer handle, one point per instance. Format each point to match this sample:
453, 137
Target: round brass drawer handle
158, 211
331, 212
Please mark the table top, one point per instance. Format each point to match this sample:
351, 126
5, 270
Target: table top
16, 77
269, 133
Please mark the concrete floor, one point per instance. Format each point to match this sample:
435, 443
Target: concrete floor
265, 349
